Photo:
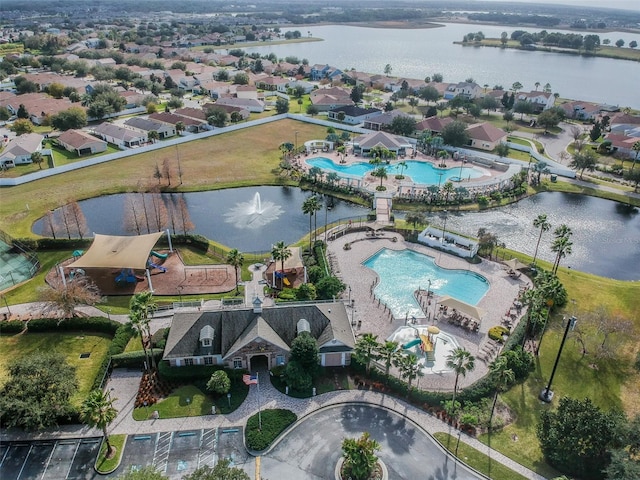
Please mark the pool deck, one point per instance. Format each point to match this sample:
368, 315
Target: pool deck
391, 183
370, 317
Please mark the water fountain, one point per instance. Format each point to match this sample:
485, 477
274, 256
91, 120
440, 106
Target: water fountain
253, 214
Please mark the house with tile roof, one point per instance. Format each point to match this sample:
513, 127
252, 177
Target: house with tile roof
19, 149
329, 98
250, 104
485, 136
81, 142
467, 90
242, 338
273, 84
624, 143
190, 124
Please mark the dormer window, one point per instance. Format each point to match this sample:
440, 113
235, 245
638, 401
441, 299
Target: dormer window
206, 336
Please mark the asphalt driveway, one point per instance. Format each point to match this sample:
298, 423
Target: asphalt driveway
312, 449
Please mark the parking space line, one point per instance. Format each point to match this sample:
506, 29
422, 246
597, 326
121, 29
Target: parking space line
161, 453
75, 452
25, 461
46, 464
6, 452
206, 455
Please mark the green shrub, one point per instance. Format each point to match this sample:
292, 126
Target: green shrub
119, 342
133, 359
496, 333
192, 373
12, 326
274, 422
91, 324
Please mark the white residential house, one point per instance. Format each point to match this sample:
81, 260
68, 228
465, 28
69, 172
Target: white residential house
463, 89
119, 136
18, 151
540, 100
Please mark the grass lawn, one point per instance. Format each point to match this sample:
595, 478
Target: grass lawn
106, 465
187, 401
212, 163
560, 186
70, 344
329, 380
476, 459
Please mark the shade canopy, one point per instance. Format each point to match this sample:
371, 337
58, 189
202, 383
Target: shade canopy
515, 264
112, 251
433, 329
465, 308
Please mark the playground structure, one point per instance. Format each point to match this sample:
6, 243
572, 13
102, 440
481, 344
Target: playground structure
428, 343
126, 276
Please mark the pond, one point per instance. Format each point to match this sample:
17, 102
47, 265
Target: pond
250, 219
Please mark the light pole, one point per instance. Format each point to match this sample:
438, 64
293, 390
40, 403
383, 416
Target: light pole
296, 143
547, 394
529, 167
6, 304
180, 293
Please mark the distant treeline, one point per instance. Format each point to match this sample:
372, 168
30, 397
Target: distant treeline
511, 19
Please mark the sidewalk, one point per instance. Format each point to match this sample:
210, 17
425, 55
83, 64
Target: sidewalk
123, 386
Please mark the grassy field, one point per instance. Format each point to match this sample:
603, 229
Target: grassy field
476, 459
245, 157
187, 401
106, 465
70, 344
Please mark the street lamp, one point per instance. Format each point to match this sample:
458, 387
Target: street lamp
296, 143
546, 395
529, 167
229, 399
439, 179
180, 292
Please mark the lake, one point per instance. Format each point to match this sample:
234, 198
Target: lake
417, 53
606, 234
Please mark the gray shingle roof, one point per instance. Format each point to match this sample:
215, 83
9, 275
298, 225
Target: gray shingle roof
277, 325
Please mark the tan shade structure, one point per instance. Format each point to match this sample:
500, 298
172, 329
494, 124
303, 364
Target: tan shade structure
515, 264
433, 329
462, 307
111, 251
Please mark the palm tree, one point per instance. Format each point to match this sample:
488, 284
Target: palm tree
381, 173
501, 376
388, 352
309, 209
635, 148
316, 206
366, 350
460, 361
153, 136
540, 222
448, 190
235, 259
540, 168
180, 127
402, 166
98, 411
561, 245
409, 368
281, 252
537, 84
141, 308
332, 177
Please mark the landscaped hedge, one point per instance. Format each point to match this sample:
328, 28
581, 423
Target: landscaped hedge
274, 422
134, 359
56, 244
196, 241
12, 326
187, 373
92, 324
119, 342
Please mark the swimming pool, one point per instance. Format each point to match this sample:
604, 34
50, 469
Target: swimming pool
403, 272
423, 173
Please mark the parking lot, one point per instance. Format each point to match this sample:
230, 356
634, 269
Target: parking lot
173, 453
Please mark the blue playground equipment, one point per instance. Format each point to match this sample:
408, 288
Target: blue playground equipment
126, 275
161, 256
156, 266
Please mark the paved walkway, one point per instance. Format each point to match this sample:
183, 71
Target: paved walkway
123, 386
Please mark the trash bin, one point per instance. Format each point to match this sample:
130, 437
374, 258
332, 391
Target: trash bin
554, 178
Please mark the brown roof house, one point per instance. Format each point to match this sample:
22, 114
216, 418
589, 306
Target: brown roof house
363, 144
485, 136
434, 124
81, 142
245, 338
